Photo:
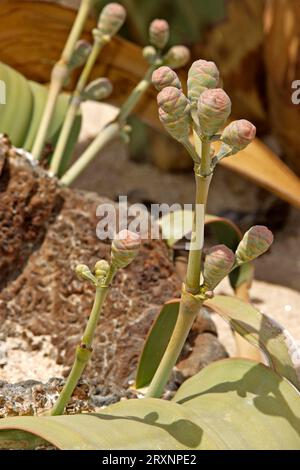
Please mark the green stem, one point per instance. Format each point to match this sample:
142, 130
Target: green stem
194, 261
89, 332
83, 353
191, 301
74, 106
205, 167
57, 157
41, 136
84, 350
77, 28
109, 132
189, 309
81, 358
87, 70
135, 95
59, 76
191, 150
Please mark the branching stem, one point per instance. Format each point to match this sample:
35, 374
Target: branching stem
84, 350
191, 300
74, 106
59, 76
110, 131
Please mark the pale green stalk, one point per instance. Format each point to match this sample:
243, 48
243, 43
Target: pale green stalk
189, 308
84, 350
196, 131
194, 261
110, 131
64, 136
191, 300
74, 106
81, 359
135, 95
59, 76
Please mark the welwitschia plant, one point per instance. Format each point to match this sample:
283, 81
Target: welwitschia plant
231, 404
175, 57
203, 112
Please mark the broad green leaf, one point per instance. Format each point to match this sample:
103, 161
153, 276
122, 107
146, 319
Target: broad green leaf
58, 117
262, 331
231, 404
156, 343
160, 426
15, 114
246, 404
257, 328
133, 424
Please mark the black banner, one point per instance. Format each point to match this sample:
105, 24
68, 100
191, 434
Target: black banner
135, 458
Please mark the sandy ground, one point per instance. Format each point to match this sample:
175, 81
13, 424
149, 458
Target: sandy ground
19, 362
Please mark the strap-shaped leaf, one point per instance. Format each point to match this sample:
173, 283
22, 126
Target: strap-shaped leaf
133, 424
261, 331
156, 343
231, 404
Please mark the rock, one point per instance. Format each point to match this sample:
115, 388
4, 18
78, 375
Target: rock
204, 347
31, 397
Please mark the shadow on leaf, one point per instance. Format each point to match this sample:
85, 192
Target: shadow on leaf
184, 431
